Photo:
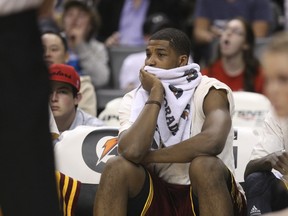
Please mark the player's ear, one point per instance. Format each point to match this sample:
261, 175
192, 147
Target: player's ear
183, 60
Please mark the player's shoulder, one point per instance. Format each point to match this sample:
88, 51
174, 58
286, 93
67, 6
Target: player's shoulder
208, 83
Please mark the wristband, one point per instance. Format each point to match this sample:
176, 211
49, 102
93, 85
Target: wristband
153, 102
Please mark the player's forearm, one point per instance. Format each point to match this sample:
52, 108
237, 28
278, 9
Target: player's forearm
186, 151
136, 141
210, 141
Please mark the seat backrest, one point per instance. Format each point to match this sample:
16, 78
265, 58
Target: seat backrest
82, 153
110, 115
104, 96
244, 140
117, 54
250, 109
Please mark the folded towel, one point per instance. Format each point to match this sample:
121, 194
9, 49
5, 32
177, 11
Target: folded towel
174, 119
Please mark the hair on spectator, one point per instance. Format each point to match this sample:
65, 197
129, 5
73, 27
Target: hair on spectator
58, 34
48, 24
178, 40
252, 63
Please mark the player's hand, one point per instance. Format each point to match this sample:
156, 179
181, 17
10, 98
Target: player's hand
150, 81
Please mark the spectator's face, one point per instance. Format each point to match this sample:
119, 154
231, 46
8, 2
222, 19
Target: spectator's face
62, 101
54, 51
160, 54
76, 19
232, 40
275, 69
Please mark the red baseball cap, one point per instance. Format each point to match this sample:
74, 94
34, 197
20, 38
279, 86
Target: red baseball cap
64, 73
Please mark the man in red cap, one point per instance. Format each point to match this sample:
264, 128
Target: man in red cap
65, 97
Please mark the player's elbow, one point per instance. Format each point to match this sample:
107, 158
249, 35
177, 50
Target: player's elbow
131, 156
130, 153
216, 144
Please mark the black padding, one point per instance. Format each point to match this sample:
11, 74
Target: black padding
86, 200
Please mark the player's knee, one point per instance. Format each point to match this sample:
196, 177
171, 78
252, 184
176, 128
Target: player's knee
206, 167
119, 166
116, 163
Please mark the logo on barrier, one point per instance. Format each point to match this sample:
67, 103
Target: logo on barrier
250, 115
97, 148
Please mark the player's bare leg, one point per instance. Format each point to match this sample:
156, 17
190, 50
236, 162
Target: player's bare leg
208, 178
120, 180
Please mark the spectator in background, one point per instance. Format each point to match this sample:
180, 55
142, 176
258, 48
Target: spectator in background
236, 64
126, 27
87, 55
129, 73
65, 97
56, 51
212, 15
266, 174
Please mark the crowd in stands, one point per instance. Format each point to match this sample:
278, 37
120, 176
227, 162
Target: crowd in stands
91, 27
223, 53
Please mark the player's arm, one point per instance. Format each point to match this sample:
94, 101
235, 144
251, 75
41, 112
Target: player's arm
135, 142
210, 141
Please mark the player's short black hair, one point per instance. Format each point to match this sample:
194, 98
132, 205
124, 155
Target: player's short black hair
178, 40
